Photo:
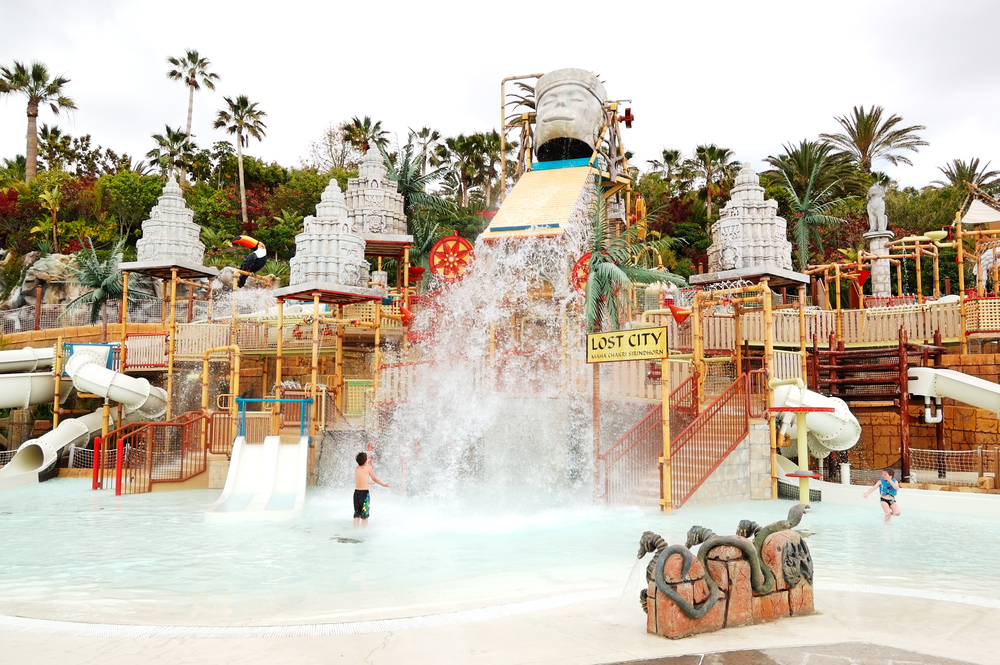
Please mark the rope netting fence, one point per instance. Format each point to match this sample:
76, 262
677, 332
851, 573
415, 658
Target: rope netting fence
964, 468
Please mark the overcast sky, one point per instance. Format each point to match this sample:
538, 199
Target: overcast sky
749, 76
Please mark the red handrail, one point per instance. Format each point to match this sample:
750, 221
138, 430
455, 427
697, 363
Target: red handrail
706, 442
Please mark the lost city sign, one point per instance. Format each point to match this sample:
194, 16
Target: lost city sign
641, 344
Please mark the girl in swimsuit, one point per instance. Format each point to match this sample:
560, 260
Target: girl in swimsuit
887, 488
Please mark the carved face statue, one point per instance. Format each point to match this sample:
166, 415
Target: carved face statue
568, 114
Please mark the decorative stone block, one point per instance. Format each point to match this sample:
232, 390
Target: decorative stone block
328, 250
800, 599
671, 621
374, 207
770, 607
719, 571
739, 611
675, 563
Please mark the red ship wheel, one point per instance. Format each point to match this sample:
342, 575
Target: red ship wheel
451, 257
581, 271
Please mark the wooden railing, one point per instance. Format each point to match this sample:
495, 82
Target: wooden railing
145, 350
709, 439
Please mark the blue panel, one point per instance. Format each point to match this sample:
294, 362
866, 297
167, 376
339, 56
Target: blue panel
560, 164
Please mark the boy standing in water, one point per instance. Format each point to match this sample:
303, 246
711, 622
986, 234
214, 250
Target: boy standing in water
362, 500
887, 488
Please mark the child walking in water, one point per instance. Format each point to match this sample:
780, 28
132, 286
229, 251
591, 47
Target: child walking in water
362, 500
887, 488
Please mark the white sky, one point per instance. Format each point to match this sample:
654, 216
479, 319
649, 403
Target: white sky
749, 76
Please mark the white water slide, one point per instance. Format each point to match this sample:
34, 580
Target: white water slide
87, 368
265, 482
826, 432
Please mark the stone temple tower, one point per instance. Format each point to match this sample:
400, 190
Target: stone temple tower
329, 250
374, 207
749, 232
170, 233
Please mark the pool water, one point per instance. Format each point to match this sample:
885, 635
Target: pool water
74, 554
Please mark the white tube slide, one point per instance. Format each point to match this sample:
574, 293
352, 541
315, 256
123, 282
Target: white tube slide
827, 432
931, 382
89, 374
26, 360
22, 383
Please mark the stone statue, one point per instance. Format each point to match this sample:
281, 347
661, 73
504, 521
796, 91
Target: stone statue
877, 221
569, 114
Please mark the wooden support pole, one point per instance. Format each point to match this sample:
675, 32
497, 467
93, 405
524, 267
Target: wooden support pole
840, 322
904, 406
314, 410
802, 330
279, 350
920, 286
960, 259
666, 500
58, 376
338, 367
768, 375
173, 341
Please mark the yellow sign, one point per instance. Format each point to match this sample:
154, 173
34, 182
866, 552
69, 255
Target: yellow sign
640, 344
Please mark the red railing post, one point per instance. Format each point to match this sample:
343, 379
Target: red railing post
118, 466
97, 462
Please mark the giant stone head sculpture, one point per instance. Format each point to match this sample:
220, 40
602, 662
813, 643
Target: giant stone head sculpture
568, 119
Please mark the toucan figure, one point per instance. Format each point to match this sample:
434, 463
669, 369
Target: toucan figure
254, 261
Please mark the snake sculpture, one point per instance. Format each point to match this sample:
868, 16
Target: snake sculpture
761, 578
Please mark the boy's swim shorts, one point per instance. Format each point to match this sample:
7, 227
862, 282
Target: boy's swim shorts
362, 502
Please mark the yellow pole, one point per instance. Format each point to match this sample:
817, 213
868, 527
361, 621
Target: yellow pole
58, 376
738, 334
235, 383
281, 344
338, 366
920, 288
765, 294
378, 347
698, 355
800, 424
937, 275
124, 313
173, 340
666, 503
314, 411
802, 328
961, 280
840, 328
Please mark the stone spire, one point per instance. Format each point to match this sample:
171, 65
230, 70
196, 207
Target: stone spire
328, 250
170, 235
749, 233
374, 207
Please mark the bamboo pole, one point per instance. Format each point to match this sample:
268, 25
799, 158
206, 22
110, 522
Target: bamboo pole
802, 328
58, 380
173, 341
313, 410
737, 333
960, 259
666, 501
916, 259
840, 313
698, 355
338, 366
768, 374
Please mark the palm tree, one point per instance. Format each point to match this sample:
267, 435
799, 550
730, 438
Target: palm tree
831, 168
427, 140
958, 172
173, 150
34, 83
362, 134
12, 171
104, 279
243, 119
713, 164
810, 204
405, 172
668, 166
189, 68
463, 158
50, 200
489, 146
868, 137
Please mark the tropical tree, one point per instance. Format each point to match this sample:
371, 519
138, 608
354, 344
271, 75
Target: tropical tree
463, 158
362, 134
818, 164
810, 204
55, 148
12, 171
712, 164
243, 119
40, 88
51, 200
410, 182
103, 278
868, 136
667, 167
489, 145
190, 68
173, 149
427, 140
958, 172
